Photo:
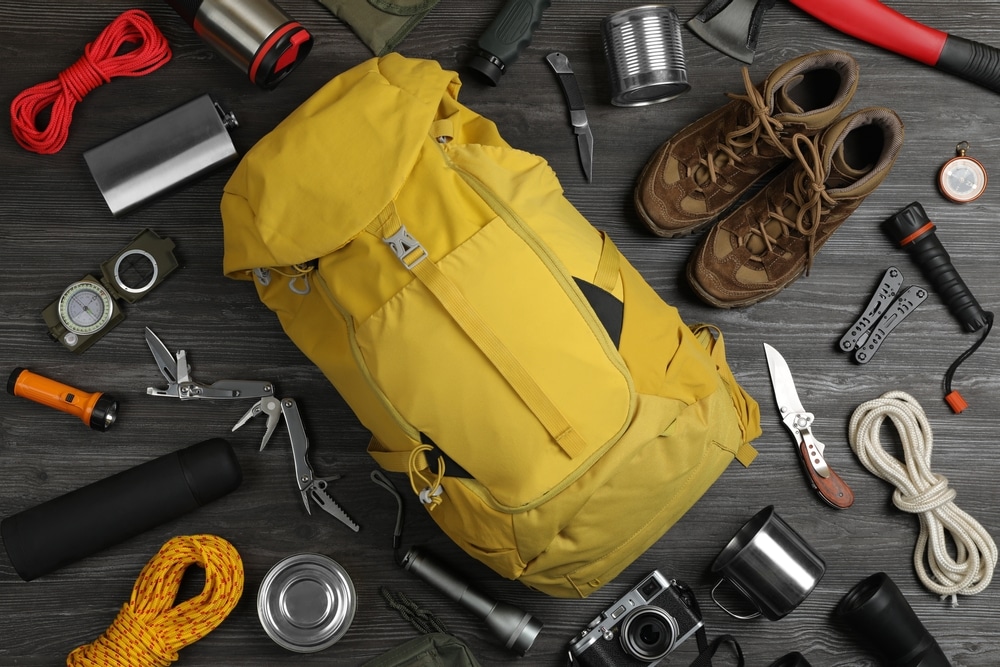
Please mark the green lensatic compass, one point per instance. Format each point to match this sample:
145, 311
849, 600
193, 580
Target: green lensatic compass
89, 308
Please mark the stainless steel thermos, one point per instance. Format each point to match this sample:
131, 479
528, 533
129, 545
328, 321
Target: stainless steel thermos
255, 35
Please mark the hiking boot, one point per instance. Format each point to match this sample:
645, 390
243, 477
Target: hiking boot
705, 168
771, 240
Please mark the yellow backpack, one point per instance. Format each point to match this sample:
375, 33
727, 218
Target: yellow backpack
553, 413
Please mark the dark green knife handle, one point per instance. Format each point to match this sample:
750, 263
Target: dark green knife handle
512, 29
574, 98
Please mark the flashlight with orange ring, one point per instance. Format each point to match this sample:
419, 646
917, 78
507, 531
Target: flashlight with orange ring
97, 410
913, 231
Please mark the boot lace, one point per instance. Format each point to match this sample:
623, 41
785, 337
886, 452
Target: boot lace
806, 199
737, 143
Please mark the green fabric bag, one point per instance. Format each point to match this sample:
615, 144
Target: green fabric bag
436, 649
381, 24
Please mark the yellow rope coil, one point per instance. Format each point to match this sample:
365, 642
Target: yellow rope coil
149, 629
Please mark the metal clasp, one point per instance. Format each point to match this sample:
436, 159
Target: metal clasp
407, 249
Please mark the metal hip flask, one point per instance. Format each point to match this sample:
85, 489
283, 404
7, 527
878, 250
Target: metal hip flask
161, 154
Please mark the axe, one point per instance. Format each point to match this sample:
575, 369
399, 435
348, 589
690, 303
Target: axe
731, 26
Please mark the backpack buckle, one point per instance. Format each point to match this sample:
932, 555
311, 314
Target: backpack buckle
407, 249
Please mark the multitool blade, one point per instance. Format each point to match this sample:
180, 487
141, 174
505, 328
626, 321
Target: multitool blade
164, 359
330, 506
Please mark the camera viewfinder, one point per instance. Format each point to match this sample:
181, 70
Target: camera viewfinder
650, 587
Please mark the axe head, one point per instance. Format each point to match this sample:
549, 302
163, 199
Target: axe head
731, 26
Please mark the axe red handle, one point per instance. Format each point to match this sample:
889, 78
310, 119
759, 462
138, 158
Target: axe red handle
873, 22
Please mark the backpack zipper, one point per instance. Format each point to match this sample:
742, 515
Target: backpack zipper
542, 251
407, 428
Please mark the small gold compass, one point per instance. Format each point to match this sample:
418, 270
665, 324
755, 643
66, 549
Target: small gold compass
962, 179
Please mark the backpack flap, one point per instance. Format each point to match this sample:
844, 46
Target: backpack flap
316, 180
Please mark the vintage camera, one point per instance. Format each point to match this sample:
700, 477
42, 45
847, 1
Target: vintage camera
641, 628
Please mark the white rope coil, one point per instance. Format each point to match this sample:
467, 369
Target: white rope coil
921, 492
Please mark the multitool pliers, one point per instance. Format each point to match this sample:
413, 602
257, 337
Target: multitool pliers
310, 486
180, 385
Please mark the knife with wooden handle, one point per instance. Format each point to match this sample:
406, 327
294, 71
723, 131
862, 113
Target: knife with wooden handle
828, 484
832, 488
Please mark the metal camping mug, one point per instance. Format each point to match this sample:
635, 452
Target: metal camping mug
770, 564
645, 54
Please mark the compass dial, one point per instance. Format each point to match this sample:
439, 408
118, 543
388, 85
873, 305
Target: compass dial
962, 179
85, 307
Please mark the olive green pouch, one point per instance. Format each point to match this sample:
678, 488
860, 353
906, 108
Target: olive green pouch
381, 24
436, 649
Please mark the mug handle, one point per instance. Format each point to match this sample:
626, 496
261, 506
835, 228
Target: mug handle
744, 593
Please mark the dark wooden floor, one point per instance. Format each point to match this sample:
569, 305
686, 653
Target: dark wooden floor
55, 228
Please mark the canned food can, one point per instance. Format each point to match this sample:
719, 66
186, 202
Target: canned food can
306, 602
645, 54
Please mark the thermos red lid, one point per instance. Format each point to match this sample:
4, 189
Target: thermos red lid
279, 54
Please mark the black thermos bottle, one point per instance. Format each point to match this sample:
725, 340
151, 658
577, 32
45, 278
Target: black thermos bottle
80, 523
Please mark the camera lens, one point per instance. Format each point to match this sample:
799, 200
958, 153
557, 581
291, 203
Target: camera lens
649, 633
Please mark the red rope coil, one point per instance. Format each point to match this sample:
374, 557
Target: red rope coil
100, 63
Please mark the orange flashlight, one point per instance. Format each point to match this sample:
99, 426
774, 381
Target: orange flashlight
97, 410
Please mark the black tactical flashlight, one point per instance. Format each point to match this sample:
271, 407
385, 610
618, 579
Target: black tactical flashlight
255, 35
506, 37
913, 231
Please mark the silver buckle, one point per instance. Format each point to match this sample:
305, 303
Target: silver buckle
405, 246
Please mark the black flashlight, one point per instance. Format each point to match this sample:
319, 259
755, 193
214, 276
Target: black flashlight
255, 35
506, 37
913, 231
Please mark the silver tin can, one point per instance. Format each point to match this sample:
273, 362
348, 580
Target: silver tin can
306, 602
645, 54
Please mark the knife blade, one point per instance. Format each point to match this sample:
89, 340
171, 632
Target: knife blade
577, 111
828, 484
164, 359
